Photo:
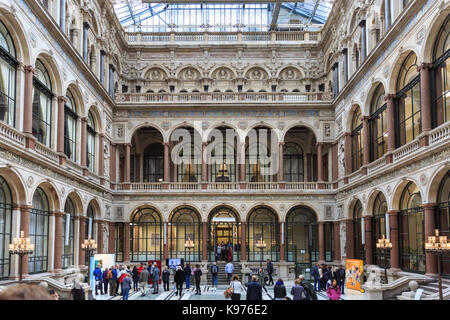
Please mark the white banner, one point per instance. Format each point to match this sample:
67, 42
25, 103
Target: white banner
223, 219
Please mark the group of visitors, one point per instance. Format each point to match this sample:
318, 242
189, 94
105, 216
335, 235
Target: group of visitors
324, 275
224, 252
181, 276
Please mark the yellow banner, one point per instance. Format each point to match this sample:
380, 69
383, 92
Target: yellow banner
353, 273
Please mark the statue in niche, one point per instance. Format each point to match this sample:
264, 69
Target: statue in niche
189, 74
290, 74
105, 237
222, 74
156, 75
256, 74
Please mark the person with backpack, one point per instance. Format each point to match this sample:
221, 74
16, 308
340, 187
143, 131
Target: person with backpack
126, 285
214, 271
316, 275
297, 291
166, 278
143, 280
135, 276
310, 292
269, 270
105, 280
333, 291
121, 275
187, 273
254, 290
279, 290
98, 279
197, 277
229, 269
155, 278
112, 278
179, 280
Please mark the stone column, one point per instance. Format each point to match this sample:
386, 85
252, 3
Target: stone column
111, 238
387, 14
205, 241
82, 255
166, 162
345, 53
28, 107
281, 162
319, 162
112, 164
321, 242
425, 97
62, 15
429, 213
60, 130
58, 240
350, 246
101, 159
204, 162
100, 236
243, 241
337, 242
309, 167
282, 244
348, 155
25, 227
369, 243
390, 126
126, 245
242, 173
84, 145
165, 242
366, 143
395, 251
335, 163
127, 166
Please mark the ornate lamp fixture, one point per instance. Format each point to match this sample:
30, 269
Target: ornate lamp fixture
89, 245
439, 246
21, 247
189, 244
261, 245
385, 246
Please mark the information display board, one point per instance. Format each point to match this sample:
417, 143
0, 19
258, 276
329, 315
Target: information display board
354, 273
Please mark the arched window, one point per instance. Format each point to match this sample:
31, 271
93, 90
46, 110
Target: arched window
441, 75
443, 220
379, 227
68, 232
223, 156
411, 225
70, 127
293, 167
224, 230
302, 236
8, 67
119, 240
257, 156
146, 235
189, 168
42, 105
154, 163
357, 140
39, 221
5, 227
263, 226
185, 225
91, 145
378, 124
408, 101
357, 231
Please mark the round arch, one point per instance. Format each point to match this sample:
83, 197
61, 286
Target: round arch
95, 111
52, 194
315, 131
52, 69
392, 79
135, 130
398, 191
15, 28
76, 200
74, 88
371, 200
16, 185
435, 182
438, 20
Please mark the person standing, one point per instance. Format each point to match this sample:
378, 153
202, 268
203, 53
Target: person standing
179, 280
254, 290
98, 279
150, 270
187, 274
126, 285
339, 275
155, 278
229, 269
219, 252
333, 291
310, 292
197, 276
262, 277
269, 270
105, 281
166, 278
214, 272
143, 280
236, 285
316, 276
297, 291
112, 278
135, 276
279, 290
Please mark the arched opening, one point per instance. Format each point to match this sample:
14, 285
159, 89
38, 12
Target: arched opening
153, 163
378, 124
42, 105
8, 71
263, 226
379, 229
443, 217
70, 127
441, 75
302, 236
187, 147
222, 150
6, 207
412, 229
357, 140
91, 145
68, 234
39, 226
408, 101
224, 232
258, 164
146, 235
119, 240
293, 164
358, 247
184, 225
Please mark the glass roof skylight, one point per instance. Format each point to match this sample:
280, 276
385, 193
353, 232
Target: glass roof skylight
138, 15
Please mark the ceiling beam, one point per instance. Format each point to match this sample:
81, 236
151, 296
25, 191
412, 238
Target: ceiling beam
210, 1
275, 15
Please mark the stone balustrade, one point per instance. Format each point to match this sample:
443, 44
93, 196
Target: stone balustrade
11, 135
440, 134
406, 150
46, 152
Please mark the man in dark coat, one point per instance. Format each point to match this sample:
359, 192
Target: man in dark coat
316, 275
166, 278
187, 273
254, 290
179, 280
197, 276
339, 275
155, 278
269, 270
143, 280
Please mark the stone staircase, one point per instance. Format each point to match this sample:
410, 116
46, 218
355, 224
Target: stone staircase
432, 288
222, 276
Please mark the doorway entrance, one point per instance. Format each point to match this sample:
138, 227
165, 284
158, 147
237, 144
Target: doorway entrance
224, 233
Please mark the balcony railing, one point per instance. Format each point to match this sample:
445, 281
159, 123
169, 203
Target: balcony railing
440, 134
406, 150
227, 97
164, 37
46, 152
11, 135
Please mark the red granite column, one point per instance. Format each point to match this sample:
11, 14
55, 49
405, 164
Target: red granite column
425, 97
112, 165
111, 238
166, 162
166, 242
126, 245
205, 241
127, 162
390, 126
58, 240
82, 255
101, 159
282, 244
349, 245
83, 145
60, 130
321, 243
100, 236
28, 110
366, 143
429, 213
337, 242
395, 251
348, 155
25, 227
369, 243
243, 241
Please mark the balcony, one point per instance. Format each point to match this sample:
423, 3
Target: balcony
227, 97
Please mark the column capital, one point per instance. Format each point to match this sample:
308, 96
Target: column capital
62, 99
429, 205
127, 144
51, 213
59, 214
390, 96
347, 134
101, 135
281, 143
25, 207
205, 144
84, 119
364, 118
424, 66
393, 212
113, 144
83, 218
30, 68
166, 144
